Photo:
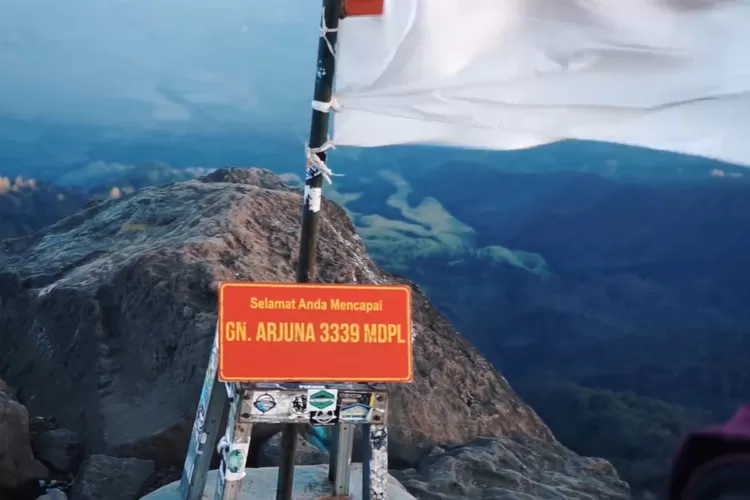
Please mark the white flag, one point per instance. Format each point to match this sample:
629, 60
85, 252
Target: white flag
509, 74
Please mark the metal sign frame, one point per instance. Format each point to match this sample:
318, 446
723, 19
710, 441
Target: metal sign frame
248, 405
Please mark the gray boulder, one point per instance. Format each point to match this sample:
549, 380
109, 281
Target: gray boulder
307, 453
17, 463
101, 477
59, 448
512, 468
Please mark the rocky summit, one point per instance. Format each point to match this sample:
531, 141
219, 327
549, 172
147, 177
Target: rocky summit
107, 318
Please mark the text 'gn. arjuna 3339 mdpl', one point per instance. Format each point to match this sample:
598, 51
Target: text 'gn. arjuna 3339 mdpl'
305, 332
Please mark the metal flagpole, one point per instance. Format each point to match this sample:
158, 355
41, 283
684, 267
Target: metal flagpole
316, 170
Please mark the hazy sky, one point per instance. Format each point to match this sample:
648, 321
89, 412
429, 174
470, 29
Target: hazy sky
157, 61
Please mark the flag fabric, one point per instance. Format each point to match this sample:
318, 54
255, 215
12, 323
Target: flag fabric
672, 75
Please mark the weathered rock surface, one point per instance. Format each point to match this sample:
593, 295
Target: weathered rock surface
5, 389
17, 463
518, 468
59, 448
310, 483
101, 477
39, 425
117, 306
307, 453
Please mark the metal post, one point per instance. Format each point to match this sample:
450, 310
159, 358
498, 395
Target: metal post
375, 463
334, 445
344, 446
311, 210
234, 449
211, 409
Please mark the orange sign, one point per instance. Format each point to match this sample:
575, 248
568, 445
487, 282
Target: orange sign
314, 333
364, 7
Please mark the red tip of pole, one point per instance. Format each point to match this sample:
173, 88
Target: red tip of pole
363, 7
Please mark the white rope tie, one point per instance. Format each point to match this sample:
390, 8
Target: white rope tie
223, 447
316, 166
327, 107
324, 30
333, 104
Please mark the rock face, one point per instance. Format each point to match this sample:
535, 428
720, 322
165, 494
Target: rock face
111, 478
17, 463
59, 448
108, 316
519, 468
307, 453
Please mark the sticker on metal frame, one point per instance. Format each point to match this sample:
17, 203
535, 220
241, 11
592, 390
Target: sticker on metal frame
321, 400
324, 418
351, 398
298, 406
235, 461
264, 403
199, 434
356, 413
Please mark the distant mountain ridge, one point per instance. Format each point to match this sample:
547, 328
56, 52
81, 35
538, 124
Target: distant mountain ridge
573, 277
542, 252
45, 148
28, 205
